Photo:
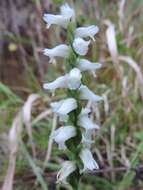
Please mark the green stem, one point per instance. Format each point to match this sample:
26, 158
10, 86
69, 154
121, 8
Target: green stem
73, 144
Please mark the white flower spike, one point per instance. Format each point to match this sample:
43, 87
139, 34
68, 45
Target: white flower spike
88, 160
81, 46
86, 65
71, 81
84, 120
88, 31
63, 107
62, 134
67, 168
86, 94
58, 51
67, 14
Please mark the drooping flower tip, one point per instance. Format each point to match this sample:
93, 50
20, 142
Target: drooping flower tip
87, 94
86, 65
89, 31
68, 167
81, 46
61, 50
62, 134
88, 160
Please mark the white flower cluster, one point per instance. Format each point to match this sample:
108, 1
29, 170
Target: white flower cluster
72, 81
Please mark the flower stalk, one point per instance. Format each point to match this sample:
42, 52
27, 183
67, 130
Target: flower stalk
75, 137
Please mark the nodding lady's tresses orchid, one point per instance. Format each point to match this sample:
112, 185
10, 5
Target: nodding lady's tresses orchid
75, 135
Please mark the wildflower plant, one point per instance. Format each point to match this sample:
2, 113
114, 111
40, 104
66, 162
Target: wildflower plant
75, 134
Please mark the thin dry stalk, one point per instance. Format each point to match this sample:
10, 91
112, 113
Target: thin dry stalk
14, 134
50, 143
27, 118
136, 68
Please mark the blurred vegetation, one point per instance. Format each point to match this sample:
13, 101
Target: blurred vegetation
23, 69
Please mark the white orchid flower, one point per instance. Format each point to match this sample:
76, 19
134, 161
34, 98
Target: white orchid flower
81, 46
62, 134
67, 13
87, 138
72, 80
88, 160
61, 50
86, 94
60, 82
84, 120
88, 31
86, 65
68, 167
63, 107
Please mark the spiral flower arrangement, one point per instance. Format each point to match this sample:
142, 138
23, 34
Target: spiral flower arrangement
75, 134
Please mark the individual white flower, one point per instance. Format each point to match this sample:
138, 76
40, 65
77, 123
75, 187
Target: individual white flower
84, 120
60, 82
62, 134
88, 31
67, 13
63, 107
88, 160
86, 65
81, 46
74, 78
55, 19
61, 50
86, 94
87, 138
68, 167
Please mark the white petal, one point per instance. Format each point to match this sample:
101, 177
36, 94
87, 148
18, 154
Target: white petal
74, 78
67, 168
60, 82
87, 138
88, 31
55, 19
62, 134
63, 107
86, 94
81, 46
86, 65
58, 51
67, 11
88, 160
85, 122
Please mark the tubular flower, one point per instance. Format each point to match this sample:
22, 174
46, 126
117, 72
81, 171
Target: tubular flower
85, 65
62, 19
88, 31
76, 134
72, 80
88, 160
63, 107
62, 134
81, 46
58, 51
86, 94
85, 122
67, 168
